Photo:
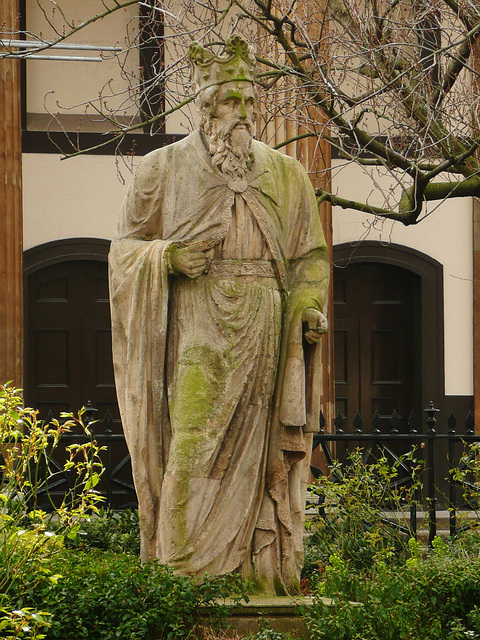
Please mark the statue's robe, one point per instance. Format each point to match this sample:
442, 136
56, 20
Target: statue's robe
218, 393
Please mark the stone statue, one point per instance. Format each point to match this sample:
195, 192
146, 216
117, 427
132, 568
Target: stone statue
219, 277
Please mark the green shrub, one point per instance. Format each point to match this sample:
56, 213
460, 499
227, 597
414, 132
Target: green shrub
467, 475
50, 590
111, 595
383, 584
110, 531
356, 497
23, 624
432, 598
266, 632
28, 534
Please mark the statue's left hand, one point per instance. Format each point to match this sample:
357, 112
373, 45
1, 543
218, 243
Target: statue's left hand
315, 325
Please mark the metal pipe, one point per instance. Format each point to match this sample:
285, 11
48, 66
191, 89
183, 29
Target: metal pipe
38, 44
36, 56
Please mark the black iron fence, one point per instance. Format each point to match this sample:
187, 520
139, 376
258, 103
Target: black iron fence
116, 483
442, 453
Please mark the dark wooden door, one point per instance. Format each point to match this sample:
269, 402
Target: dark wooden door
377, 341
69, 361
68, 339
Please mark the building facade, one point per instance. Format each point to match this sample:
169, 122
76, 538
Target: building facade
402, 308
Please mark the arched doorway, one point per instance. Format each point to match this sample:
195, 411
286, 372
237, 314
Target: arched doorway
376, 333
388, 328
68, 356
68, 352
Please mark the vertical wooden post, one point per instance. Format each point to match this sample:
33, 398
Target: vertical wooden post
476, 312
11, 230
476, 269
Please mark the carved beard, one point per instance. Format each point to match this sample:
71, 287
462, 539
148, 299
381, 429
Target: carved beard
230, 147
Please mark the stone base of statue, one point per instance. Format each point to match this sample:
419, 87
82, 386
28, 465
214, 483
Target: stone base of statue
282, 614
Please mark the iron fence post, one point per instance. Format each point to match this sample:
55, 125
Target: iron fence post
89, 413
431, 491
452, 518
412, 423
108, 466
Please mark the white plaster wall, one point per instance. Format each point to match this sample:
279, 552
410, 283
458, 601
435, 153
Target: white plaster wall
445, 235
64, 87
79, 197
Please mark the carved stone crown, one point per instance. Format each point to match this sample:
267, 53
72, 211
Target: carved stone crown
208, 69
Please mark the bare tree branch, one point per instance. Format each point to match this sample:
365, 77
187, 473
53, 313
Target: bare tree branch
388, 84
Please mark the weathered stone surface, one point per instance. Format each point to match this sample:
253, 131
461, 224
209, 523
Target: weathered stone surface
282, 613
218, 273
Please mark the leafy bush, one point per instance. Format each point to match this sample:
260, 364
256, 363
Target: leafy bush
266, 632
355, 527
467, 475
110, 531
111, 595
27, 539
383, 584
50, 590
23, 624
432, 598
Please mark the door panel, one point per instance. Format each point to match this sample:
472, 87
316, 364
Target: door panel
377, 346
69, 359
54, 361
346, 346
69, 353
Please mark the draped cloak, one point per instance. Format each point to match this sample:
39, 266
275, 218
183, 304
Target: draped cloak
218, 391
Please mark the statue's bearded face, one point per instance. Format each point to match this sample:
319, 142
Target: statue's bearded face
227, 118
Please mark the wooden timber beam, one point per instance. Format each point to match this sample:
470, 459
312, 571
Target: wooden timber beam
11, 228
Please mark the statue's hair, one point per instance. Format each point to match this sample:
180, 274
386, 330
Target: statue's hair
204, 101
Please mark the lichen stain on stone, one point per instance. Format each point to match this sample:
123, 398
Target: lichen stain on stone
201, 380
232, 290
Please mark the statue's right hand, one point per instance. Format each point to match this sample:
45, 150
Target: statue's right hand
188, 260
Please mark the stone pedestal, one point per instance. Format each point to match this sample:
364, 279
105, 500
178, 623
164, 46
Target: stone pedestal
282, 614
